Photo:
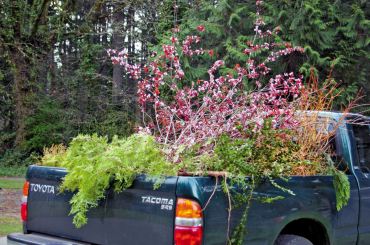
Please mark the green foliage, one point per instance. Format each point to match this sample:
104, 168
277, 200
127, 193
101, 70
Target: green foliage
87, 69
115, 122
94, 164
227, 25
268, 154
14, 162
341, 184
90, 109
7, 135
342, 188
240, 231
166, 20
333, 34
45, 127
53, 155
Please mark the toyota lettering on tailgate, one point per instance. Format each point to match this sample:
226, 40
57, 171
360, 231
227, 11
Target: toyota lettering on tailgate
47, 189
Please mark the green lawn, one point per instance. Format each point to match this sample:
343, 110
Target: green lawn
11, 183
9, 225
14, 171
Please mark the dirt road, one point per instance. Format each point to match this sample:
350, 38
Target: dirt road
10, 203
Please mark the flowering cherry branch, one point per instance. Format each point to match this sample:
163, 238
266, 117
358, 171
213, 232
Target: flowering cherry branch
219, 105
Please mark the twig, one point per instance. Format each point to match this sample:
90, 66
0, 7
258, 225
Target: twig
213, 193
229, 211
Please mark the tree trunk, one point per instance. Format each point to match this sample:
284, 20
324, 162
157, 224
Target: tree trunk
23, 93
118, 43
130, 86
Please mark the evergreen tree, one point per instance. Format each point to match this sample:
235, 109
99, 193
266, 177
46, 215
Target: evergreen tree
333, 33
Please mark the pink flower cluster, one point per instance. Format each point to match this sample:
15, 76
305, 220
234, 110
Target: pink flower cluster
186, 46
274, 55
120, 58
206, 109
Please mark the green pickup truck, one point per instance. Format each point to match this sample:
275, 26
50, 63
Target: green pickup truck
177, 213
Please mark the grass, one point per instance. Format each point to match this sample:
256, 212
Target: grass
10, 183
9, 225
13, 171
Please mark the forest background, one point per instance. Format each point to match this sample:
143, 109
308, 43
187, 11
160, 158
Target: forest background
56, 79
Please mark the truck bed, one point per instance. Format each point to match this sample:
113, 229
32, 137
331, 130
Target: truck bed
141, 215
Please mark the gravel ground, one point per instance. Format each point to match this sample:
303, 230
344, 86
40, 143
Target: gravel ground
10, 202
3, 241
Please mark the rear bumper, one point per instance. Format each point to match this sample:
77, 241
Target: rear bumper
38, 239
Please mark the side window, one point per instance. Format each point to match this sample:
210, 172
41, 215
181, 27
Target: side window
362, 139
333, 151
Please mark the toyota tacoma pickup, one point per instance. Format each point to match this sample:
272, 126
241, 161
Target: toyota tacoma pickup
180, 213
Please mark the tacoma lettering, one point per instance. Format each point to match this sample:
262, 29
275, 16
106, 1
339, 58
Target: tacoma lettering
166, 204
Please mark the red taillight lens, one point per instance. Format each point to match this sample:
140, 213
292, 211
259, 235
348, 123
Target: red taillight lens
188, 235
24, 201
24, 211
188, 223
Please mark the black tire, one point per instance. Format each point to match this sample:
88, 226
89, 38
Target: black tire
292, 240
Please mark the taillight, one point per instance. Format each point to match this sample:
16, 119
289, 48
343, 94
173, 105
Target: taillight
188, 223
24, 201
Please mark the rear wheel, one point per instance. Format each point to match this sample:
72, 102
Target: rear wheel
292, 240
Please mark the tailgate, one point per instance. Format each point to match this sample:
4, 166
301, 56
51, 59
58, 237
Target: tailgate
139, 215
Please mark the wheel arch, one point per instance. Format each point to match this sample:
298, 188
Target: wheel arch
309, 228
